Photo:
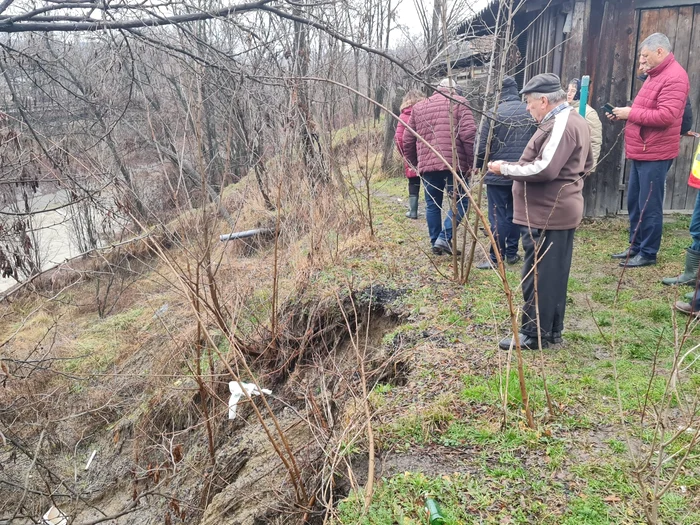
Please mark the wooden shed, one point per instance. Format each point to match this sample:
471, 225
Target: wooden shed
600, 38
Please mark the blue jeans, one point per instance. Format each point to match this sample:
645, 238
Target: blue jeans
435, 183
506, 233
695, 226
645, 204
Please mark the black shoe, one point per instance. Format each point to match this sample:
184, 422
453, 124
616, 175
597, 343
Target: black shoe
514, 260
486, 265
637, 262
437, 251
526, 342
623, 255
555, 338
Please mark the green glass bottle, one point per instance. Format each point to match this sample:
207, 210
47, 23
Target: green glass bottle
433, 512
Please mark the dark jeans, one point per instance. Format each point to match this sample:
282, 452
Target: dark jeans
553, 250
506, 233
435, 183
414, 186
695, 226
645, 204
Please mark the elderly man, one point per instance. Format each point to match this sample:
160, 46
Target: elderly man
548, 206
438, 120
652, 141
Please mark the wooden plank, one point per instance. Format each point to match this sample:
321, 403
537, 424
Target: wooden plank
595, 23
529, 51
650, 4
559, 21
623, 71
594, 203
573, 48
551, 41
632, 68
681, 50
688, 145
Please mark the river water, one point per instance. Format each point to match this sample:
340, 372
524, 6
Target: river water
53, 231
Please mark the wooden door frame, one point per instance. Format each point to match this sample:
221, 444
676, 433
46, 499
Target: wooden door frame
660, 4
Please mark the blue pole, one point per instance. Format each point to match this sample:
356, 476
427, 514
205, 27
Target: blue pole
585, 81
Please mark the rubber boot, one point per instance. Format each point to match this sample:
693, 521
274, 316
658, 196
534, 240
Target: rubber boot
692, 261
412, 212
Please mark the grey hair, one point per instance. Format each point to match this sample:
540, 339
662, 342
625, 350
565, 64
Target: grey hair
552, 98
656, 41
448, 83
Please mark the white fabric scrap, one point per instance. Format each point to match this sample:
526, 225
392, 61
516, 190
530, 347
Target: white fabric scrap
237, 393
54, 516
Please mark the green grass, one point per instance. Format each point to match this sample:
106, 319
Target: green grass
100, 344
566, 470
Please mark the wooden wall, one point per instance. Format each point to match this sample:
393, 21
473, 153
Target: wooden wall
602, 42
612, 66
544, 41
682, 27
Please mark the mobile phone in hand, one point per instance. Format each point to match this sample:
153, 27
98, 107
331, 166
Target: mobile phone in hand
608, 108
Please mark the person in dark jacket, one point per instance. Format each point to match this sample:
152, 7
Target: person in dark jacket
687, 122
512, 129
412, 98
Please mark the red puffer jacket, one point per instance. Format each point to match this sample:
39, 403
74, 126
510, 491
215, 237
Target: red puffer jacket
431, 120
653, 130
398, 139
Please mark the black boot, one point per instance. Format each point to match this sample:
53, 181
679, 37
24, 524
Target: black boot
692, 261
412, 212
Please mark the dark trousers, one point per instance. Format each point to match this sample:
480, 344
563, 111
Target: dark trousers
507, 234
695, 226
645, 204
414, 186
553, 250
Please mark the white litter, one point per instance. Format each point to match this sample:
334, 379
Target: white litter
54, 516
237, 393
87, 466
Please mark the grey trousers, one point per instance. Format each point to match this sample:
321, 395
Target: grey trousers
553, 250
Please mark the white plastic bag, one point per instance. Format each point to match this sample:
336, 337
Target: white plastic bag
237, 393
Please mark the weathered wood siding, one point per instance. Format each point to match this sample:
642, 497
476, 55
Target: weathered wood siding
545, 42
601, 41
612, 66
682, 26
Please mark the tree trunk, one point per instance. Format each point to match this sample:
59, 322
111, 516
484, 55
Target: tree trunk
389, 132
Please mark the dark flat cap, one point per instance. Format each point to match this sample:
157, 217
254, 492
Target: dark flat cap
544, 83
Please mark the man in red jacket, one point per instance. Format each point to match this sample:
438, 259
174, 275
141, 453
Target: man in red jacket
652, 141
438, 120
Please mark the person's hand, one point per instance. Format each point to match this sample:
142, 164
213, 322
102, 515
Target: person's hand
610, 116
692, 133
622, 113
495, 167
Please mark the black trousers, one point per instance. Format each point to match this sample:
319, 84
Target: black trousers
553, 250
504, 231
413, 186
